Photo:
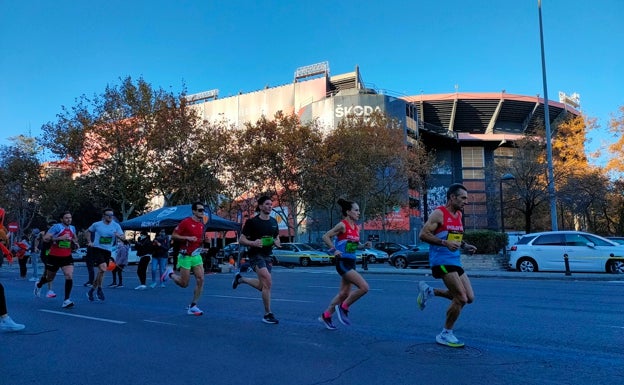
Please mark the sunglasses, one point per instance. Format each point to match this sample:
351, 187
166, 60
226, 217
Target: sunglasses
109, 215
200, 210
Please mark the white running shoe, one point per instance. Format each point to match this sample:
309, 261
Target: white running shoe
194, 310
67, 304
8, 325
449, 339
37, 290
140, 287
51, 294
165, 277
424, 292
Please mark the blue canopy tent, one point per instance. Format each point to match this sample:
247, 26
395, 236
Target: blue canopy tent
169, 217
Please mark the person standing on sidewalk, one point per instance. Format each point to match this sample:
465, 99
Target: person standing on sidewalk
34, 258
347, 241
190, 235
103, 236
160, 255
62, 237
260, 234
444, 231
144, 248
121, 261
6, 323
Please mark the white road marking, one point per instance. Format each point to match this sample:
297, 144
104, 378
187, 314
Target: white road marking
84, 316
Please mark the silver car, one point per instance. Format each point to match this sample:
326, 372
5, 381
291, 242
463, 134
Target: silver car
299, 254
546, 251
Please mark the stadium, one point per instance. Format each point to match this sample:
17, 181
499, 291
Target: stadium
468, 131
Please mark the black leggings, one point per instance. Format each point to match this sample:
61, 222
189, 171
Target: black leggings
142, 268
22, 265
3, 308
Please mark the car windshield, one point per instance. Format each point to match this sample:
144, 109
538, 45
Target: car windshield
303, 246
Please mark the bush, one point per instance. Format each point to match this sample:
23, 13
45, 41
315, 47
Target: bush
486, 241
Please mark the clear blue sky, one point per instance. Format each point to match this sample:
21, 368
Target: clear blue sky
51, 52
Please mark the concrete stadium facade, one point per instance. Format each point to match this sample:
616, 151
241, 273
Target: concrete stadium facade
468, 131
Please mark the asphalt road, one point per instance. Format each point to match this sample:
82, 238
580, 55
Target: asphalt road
537, 330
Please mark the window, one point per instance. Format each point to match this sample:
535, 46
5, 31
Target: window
472, 163
549, 240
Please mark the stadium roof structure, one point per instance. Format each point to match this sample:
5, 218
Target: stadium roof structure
484, 116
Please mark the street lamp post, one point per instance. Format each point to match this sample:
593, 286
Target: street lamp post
505, 177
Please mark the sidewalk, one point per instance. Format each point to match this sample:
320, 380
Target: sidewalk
387, 269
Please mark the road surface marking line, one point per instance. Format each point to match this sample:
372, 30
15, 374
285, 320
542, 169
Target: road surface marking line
83, 316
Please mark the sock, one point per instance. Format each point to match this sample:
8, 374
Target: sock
445, 330
193, 304
68, 287
344, 307
327, 314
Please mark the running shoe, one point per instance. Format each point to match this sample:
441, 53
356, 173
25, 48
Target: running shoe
269, 318
88, 284
194, 310
51, 294
100, 294
327, 321
449, 339
165, 277
235, 282
153, 285
120, 285
37, 290
343, 315
34, 279
140, 287
8, 325
67, 304
90, 295
163, 285
114, 284
424, 292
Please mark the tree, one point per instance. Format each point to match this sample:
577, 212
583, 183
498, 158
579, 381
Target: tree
20, 178
274, 156
616, 127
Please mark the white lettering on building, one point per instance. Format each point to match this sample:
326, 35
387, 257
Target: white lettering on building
342, 111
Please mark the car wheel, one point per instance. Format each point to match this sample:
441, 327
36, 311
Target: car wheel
400, 263
615, 266
371, 259
526, 265
304, 262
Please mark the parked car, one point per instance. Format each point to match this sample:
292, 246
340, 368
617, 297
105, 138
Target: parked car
619, 240
299, 254
586, 252
372, 255
390, 247
417, 256
80, 254
232, 250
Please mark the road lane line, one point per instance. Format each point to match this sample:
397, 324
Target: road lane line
258, 298
84, 316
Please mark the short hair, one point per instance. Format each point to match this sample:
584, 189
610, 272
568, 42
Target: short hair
65, 213
453, 189
261, 201
345, 206
107, 209
195, 204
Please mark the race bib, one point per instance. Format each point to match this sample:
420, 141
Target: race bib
455, 237
351, 247
267, 241
106, 240
64, 244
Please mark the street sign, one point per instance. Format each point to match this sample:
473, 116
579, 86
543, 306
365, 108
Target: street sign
13, 227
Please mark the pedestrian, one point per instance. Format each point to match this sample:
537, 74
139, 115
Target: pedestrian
103, 236
121, 261
19, 250
89, 261
347, 241
6, 323
144, 249
62, 237
189, 234
444, 232
34, 257
160, 255
260, 234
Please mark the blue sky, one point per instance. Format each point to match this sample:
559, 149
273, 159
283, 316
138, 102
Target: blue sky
54, 51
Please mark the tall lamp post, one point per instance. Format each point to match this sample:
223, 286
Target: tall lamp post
504, 178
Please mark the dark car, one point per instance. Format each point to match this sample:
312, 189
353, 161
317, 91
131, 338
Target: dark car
619, 240
232, 250
390, 247
417, 256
